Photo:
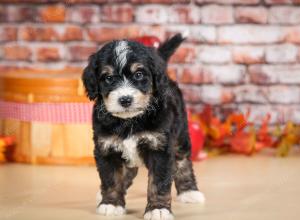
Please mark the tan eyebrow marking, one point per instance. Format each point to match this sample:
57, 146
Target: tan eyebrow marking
135, 66
107, 69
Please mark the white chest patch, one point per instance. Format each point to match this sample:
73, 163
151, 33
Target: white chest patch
128, 147
130, 152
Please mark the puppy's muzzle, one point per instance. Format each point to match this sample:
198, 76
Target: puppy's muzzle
125, 101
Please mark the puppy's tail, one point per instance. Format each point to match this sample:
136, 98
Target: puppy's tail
167, 48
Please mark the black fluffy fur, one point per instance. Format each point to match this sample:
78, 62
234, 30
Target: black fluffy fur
167, 116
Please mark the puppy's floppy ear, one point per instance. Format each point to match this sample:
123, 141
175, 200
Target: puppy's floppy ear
167, 48
89, 78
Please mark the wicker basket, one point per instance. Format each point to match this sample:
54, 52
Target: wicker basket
49, 115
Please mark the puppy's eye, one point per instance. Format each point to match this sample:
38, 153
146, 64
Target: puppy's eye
138, 75
108, 79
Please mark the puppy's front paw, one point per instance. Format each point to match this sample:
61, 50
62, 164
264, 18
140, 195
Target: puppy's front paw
158, 214
109, 209
98, 198
192, 196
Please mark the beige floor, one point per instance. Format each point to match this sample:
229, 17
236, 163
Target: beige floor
236, 187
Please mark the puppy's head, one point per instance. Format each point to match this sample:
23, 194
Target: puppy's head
125, 75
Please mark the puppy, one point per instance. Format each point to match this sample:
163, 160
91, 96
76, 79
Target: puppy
139, 118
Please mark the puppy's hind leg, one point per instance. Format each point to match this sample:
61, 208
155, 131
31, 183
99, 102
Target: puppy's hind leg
185, 182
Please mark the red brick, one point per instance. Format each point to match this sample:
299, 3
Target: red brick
294, 114
51, 33
152, 14
194, 74
16, 13
53, 13
226, 74
3, 13
215, 94
40, 67
255, 34
191, 94
81, 52
271, 74
1, 52
41, 33
8, 33
292, 34
102, 34
273, 2
17, 52
91, 1
251, 94
204, 34
117, 13
184, 14
28, 1
153, 30
229, 2
160, 1
48, 54
251, 15
248, 54
72, 33
223, 74
215, 14
7, 67
284, 15
83, 14
184, 54
69, 2
214, 54
172, 73
286, 53
284, 94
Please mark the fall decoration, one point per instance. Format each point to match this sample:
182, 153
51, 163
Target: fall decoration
5, 143
149, 41
237, 135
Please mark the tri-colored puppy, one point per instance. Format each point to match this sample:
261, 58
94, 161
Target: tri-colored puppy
139, 118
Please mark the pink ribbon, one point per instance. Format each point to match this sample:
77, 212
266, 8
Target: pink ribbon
47, 112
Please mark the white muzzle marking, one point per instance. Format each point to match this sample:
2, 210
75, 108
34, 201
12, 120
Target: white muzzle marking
139, 104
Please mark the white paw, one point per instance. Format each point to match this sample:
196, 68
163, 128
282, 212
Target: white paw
192, 196
108, 209
158, 214
98, 198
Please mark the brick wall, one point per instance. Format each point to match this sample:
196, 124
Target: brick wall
240, 53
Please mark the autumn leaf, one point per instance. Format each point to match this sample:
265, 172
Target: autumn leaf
2, 150
289, 138
237, 120
206, 115
214, 128
5, 142
243, 142
264, 138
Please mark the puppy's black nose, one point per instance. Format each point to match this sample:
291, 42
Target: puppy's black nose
125, 101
